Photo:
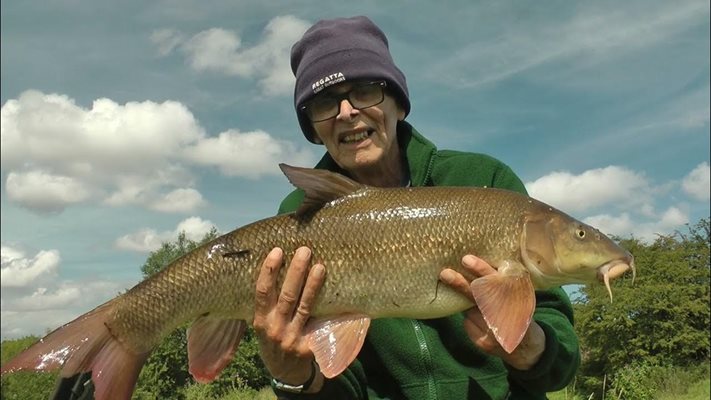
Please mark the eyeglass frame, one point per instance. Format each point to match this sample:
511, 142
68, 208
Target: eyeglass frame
346, 96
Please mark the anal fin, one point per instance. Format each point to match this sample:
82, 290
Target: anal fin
337, 341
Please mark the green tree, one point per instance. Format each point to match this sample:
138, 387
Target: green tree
660, 319
171, 251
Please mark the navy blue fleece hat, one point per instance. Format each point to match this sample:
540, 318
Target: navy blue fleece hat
339, 50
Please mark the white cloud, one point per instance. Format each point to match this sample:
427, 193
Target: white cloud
591, 189
620, 225
56, 153
166, 40
146, 240
44, 308
43, 192
221, 50
142, 241
624, 225
19, 271
34, 298
697, 183
673, 217
195, 228
249, 154
179, 200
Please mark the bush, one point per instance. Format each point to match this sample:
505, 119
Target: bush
24, 385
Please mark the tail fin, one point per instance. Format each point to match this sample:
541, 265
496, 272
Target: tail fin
85, 344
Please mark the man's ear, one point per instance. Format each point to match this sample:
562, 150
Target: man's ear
314, 135
400, 113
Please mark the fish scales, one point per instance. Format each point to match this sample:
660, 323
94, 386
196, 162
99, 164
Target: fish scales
412, 234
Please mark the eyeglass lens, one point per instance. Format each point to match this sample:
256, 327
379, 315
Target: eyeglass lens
326, 105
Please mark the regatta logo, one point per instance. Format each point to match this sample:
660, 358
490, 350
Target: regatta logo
327, 81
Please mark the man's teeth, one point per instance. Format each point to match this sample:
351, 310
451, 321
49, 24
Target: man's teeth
356, 137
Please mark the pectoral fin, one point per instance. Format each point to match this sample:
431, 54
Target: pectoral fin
211, 344
337, 341
507, 301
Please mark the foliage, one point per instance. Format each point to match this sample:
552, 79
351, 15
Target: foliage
24, 385
170, 251
166, 368
660, 320
202, 392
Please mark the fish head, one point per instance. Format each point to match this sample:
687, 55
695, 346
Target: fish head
559, 250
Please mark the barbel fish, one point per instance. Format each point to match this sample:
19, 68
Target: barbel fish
383, 248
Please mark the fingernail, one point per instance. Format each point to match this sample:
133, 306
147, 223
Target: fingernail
447, 275
318, 271
275, 253
469, 260
303, 252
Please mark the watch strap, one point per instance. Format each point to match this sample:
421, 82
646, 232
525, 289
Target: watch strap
286, 387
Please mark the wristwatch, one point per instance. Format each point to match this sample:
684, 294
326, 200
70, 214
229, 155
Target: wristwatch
279, 385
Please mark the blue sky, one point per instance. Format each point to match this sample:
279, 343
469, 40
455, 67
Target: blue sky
124, 123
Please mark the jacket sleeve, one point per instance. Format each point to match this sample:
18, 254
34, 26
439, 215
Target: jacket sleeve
561, 358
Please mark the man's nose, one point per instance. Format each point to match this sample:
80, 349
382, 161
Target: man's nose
346, 111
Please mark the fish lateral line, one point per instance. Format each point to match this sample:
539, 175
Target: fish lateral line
235, 254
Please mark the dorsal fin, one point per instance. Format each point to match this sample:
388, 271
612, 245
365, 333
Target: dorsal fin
320, 186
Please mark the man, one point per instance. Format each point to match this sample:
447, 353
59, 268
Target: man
350, 97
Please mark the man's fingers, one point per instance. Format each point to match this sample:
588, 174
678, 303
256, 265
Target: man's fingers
293, 282
265, 295
293, 338
457, 282
477, 266
308, 296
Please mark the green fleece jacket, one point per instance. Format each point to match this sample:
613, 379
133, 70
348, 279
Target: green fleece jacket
435, 359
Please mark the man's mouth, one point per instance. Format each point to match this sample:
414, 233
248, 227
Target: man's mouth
357, 137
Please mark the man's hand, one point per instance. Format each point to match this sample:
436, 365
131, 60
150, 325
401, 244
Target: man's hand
534, 341
280, 316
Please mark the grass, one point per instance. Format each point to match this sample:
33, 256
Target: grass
700, 390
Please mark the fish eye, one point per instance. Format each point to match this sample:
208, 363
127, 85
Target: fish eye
580, 233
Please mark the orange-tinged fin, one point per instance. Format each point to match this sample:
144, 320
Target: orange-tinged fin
211, 344
337, 341
507, 303
82, 345
115, 371
320, 186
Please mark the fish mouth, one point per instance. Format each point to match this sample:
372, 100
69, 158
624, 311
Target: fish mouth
614, 269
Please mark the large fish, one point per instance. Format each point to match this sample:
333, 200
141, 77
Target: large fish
383, 250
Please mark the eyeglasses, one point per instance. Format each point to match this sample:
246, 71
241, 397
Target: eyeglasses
362, 95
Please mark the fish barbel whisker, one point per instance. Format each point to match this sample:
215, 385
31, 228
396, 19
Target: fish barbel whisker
614, 269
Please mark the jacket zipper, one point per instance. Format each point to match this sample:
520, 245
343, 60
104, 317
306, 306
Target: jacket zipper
426, 359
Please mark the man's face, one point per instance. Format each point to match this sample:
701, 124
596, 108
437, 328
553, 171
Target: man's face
360, 138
